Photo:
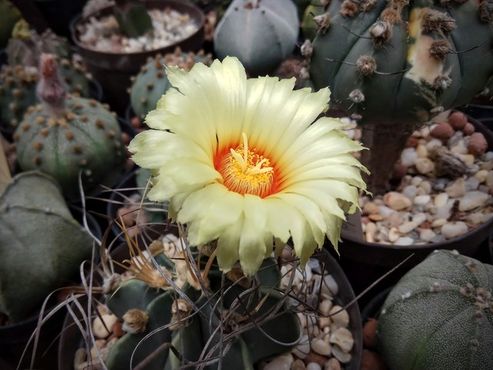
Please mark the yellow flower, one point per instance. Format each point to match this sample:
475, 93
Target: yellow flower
242, 161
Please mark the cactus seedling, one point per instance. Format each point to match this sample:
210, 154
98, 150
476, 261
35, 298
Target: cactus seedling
439, 316
261, 33
151, 82
33, 261
132, 17
397, 64
66, 134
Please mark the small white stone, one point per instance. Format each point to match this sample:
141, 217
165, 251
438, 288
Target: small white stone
445, 211
343, 338
459, 148
426, 187
481, 176
321, 347
426, 235
438, 222
393, 235
397, 201
421, 151
325, 307
422, 200
440, 199
339, 354
303, 348
452, 230
332, 364
407, 227
475, 218
385, 211
282, 362
457, 188
433, 144
330, 282
404, 241
416, 180
313, 366
408, 157
424, 166
489, 180
324, 322
410, 191
472, 183
339, 316
473, 199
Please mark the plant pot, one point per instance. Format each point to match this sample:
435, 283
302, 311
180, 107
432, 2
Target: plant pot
114, 70
14, 337
71, 338
365, 262
483, 113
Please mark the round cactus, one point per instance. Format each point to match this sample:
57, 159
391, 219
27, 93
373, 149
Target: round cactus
440, 316
261, 33
33, 262
67, 134
151, 83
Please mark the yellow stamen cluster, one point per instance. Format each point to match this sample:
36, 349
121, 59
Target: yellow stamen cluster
247, 172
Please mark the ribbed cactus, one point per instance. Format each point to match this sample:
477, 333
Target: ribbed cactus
261, 33
147, 303
132, 17
66, 134
440, 316
151, 83
398, 63
33, 261
18, 79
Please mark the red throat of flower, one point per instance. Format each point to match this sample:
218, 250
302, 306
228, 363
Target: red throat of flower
50, 89
246, 171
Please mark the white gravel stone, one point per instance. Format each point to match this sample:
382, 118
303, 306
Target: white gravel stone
453, 229
282, 362
313, 366
408, 157
422, 151
424, 165
410, 191
422, 200
404, 241
397, 201
440, 200
426, 234
457, 188
473, 199
321, 347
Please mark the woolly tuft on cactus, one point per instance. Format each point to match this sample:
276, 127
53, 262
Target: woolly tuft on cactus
33, 262
151, 82
426, 57
439, 316
67, 134
260, 33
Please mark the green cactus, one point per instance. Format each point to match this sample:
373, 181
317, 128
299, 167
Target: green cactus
309, 27
440, 316
151, 82
9, 15
132, 17
20, 76
66, 134
188, 330
398, 63
33, 262
261, 33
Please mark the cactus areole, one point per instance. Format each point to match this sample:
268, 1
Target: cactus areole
398, 63
67, 135
439, 316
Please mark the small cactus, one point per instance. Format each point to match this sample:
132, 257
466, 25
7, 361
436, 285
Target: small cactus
33, 261
132, 17
188, 320
151, 82
66, 134
439, 316
260, 33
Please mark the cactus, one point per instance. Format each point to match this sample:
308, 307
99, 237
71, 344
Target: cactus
261, 33
8, 16
151, 82
66, 134
20, 76
33, 262
439, 316
312, 13
188, 321
398, 63
132, 17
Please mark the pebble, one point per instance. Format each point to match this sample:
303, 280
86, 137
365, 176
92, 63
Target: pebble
331, 284
440, 199
425, 165
325, 307
454, 229
457, 188
477, 144
459, 148
313, 366
409, 157
472, 200
457, 120
410, 191
397, 201
422, 200
472, 183
445, 211
339, 354
339, 316
421, 151
439, 222
442, 131
303, 348
370, 208
426, 234
321, 347
468, 129
298, 365
481, 176
394, 235
332, 364
404, 241
343, 338
282, 362
433, 145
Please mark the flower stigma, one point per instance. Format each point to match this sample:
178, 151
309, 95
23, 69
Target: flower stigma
246, 171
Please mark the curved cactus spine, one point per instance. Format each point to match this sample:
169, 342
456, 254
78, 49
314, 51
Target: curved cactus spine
151, 82
33, 262
439, 316
66, 134
260, 33
396, 64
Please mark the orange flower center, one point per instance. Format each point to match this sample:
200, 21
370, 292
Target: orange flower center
246, 171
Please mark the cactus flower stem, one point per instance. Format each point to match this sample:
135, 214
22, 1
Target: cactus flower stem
51, 90
386, 145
